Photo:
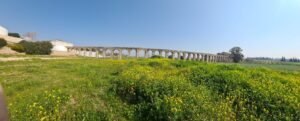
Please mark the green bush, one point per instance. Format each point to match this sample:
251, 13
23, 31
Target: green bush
2, 42
155, 64
37, 48
156, 56
14, 35
17, 47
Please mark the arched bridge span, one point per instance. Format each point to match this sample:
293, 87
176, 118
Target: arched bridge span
121, 52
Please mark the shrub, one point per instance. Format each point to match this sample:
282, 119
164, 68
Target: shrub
17, 47
14, 35
2, 42
156, 56
155, 64
37, 48
181, 57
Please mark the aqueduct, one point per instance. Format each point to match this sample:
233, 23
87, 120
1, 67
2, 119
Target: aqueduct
121, 52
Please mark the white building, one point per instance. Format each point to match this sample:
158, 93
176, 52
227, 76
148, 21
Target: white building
9, 39
60, 46
3, 31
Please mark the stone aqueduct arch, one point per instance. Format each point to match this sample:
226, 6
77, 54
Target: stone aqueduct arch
120, 52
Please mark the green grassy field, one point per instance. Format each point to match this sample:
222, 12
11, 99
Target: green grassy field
155, 89
283, 66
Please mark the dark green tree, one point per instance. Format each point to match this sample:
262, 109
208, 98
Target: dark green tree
14, 35
283, 59
236, 54
37, 48
224, 53
2, 42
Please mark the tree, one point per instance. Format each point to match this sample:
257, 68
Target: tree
236, 54
37, 48
283, 59
17, 35
2, 42
224, 53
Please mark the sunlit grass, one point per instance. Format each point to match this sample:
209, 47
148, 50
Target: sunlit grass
146, 89
283, 66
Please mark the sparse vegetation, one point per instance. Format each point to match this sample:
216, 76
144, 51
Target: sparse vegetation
2, 42
154, 89
17, 47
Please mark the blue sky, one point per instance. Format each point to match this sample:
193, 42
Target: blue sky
261, 27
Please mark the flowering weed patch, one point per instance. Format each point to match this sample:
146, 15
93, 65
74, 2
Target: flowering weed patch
45, 106
147, 89
199, 91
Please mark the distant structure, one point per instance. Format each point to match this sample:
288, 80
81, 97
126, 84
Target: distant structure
63, 48
120, 52
9, 39
3, 31
60, 46
30, 36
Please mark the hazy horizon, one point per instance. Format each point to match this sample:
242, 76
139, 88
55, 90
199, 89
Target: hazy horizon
269, 28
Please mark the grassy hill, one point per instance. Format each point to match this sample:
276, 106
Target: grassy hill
154, 89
